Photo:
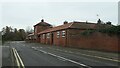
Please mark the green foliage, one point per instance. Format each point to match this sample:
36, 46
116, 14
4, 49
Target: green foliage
112, 30
10, 34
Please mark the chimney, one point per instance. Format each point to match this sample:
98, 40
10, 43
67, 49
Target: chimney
99, 21
42, 20
65, 22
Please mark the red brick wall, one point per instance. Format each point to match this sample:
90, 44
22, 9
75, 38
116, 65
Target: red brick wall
98, 41
61, 41
43, 40
40, 28
119, 42
48, 40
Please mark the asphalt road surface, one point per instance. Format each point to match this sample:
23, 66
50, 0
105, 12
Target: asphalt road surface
35, 54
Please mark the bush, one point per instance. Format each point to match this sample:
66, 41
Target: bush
111, 30
114, 30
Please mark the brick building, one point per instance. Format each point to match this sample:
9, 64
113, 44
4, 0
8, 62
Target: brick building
69, 34
60, 35
41, 26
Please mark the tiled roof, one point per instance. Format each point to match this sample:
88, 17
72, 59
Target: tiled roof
43, 23
57, 28
78, 25
83, 25
31, 34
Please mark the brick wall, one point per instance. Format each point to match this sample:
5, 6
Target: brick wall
61, 41
98, 41
42, 40
39, 28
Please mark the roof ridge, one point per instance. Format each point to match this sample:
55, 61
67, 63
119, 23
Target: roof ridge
71, 24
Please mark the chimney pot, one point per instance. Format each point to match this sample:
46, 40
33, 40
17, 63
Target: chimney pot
65, 22
42, 20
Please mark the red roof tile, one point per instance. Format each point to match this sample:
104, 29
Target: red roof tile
31, 34
56, 28
43, 23
78, 25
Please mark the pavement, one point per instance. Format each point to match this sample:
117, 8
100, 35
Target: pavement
6, 56
36, 54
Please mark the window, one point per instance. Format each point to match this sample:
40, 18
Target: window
58, 34
63, 33
35, 37
35, 29
43, 36
30, 37
48, 35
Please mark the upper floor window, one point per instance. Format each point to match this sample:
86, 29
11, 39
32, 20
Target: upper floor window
58, 34
63, 33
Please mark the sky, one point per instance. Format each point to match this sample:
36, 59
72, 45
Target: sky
119, 13
21, 14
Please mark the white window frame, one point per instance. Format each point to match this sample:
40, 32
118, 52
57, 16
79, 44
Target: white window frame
30, 37
36, 29
58, 34
63, 33
48, 35
43, 36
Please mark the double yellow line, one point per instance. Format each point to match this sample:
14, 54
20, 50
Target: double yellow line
18, 59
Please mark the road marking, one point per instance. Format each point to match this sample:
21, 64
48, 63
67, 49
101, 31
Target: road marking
100, 57
59, 49
18, 59
4, 46
65, 51
43, 51
70, 51
91, 56
65, 59
18, 64
32, 47
41, 47
87, 55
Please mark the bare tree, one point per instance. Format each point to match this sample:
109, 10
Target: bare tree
29, 30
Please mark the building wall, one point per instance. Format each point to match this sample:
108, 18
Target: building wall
98, 41
73, 38
39, 28
48, 40
61, 41
72, 33
43, 40
56, 41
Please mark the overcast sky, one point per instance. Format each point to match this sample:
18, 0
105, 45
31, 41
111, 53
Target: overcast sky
24, 14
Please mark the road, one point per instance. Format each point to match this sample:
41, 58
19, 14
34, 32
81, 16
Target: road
35, 54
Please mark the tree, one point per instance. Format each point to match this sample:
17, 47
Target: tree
29, 30
10, 34
15, 33
22, 34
